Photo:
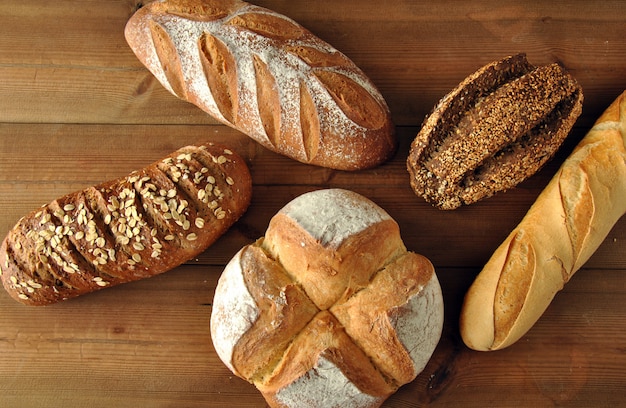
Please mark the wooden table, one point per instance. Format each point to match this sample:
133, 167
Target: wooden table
77, 108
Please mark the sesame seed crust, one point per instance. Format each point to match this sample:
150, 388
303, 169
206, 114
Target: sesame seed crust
126, 229
496, 129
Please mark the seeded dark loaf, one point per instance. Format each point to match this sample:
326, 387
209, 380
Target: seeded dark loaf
567, 223
266, 76
496, 129
126, 229
328, 309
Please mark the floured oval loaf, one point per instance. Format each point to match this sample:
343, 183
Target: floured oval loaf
496, 129
126, 229
328, 309
265, 75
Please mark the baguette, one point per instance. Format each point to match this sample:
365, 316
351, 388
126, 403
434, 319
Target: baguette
266, 76
125, 229
560, 232
493, 131
328, 309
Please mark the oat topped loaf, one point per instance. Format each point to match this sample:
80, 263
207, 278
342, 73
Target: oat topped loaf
126, 229
493, 131
266, 76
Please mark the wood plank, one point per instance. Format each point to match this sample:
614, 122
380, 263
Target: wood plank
414, 50
414, 61
126, 355
106, 152
104, 347
66, 33
68, 94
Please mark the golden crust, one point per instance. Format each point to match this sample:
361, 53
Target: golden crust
562, 229
287, 311
379, 311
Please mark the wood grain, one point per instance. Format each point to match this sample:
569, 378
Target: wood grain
77, 108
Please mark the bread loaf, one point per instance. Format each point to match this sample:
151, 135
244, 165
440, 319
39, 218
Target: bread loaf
328, 309
563, 228
126, 229
493, 131
266, 76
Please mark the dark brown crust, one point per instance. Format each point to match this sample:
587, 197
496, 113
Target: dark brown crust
496, 129
126, 229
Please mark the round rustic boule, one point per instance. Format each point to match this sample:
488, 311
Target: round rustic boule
328, 309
